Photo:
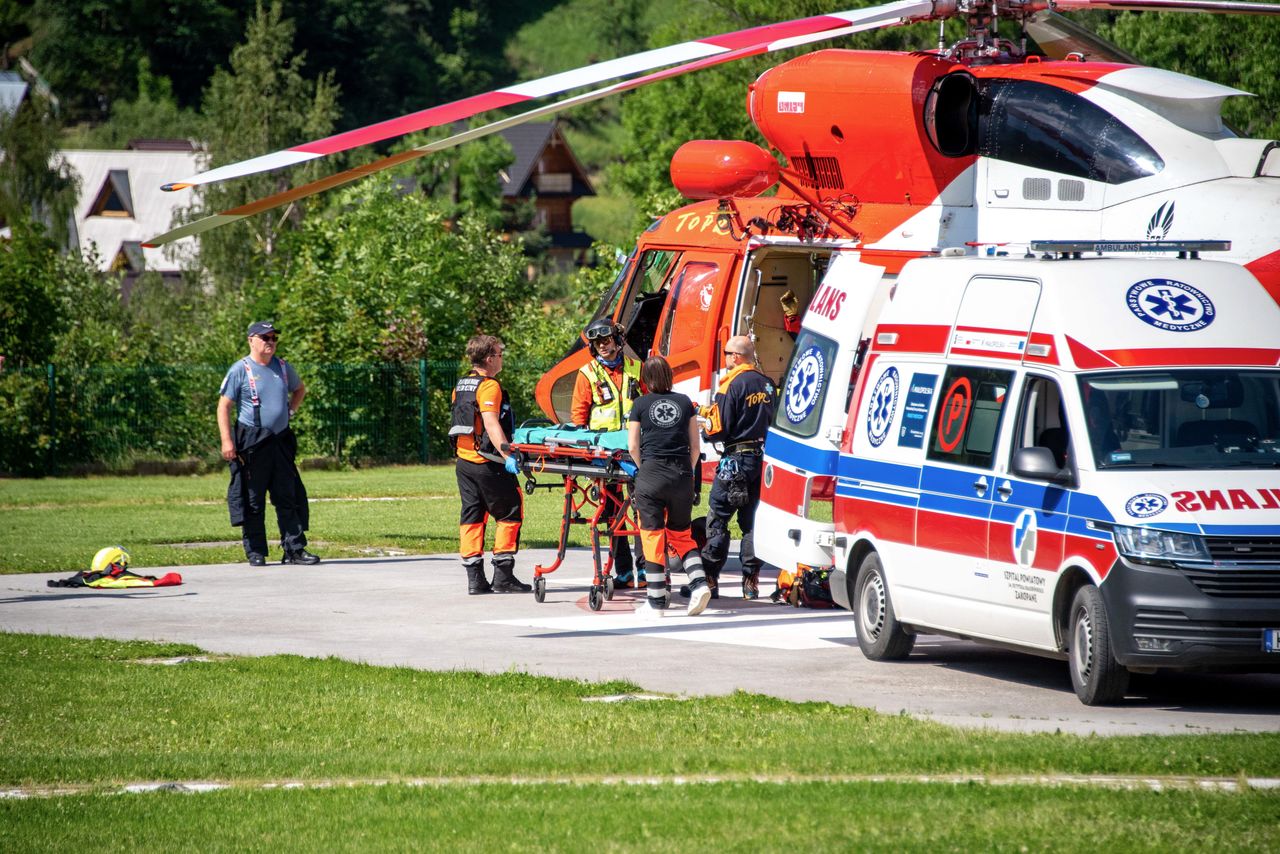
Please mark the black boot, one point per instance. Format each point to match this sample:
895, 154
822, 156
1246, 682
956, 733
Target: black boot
476, 582
504, 581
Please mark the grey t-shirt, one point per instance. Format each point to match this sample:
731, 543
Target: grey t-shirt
275, 382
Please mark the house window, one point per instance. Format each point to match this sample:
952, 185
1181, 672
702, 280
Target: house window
554, 182
115, 197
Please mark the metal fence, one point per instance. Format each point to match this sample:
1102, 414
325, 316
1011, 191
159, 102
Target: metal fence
56, 418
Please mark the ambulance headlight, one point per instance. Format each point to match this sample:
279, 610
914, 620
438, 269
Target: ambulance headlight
1149, 545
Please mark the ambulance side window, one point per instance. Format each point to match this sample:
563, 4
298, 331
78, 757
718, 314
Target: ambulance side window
1042, 421
967, 421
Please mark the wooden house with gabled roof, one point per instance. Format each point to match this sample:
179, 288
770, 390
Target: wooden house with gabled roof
546, 170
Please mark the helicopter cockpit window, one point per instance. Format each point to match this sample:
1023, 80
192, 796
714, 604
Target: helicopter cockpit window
1045, 127
648, 294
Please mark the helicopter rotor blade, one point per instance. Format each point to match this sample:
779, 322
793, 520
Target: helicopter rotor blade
771, 37
346, 177
1058, 36
1211, 7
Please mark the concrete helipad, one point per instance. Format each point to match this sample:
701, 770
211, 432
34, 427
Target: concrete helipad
414, 611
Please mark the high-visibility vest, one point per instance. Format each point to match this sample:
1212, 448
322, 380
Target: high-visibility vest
466, 418
605, 411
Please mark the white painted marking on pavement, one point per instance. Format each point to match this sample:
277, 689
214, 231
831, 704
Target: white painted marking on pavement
765, 627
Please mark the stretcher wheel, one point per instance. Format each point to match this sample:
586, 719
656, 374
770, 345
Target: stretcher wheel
595, 598
608, 588
539, 589
529, 486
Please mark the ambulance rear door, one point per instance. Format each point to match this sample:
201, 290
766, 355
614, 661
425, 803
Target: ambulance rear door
794, 523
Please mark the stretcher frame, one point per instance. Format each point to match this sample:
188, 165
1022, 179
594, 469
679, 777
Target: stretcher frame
584, 471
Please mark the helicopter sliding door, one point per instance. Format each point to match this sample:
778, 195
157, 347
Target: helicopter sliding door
771, 272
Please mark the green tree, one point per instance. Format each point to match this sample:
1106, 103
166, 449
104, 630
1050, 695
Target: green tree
389, 277
30, 311
153, 113
36, 183
466, 179
1234, 50
263, 103
90, 50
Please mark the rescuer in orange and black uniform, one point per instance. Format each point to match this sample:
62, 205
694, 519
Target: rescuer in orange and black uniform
603, 394
482, 425
739, 417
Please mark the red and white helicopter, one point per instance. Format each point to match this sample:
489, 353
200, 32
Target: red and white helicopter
889, 155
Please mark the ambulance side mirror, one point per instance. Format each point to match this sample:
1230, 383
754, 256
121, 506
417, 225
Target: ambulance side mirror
1037, 463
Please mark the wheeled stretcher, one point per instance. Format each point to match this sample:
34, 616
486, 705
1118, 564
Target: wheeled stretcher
583, 463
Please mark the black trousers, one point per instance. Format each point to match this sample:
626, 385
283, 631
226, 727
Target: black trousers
720, 511
488, 490
269, 471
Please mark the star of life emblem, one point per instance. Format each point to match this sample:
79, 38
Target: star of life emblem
1146, 504
884, 401
1170, 305
805, 384
664, 413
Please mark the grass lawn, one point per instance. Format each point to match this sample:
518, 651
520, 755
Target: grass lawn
705, 817
56, 524
78, 711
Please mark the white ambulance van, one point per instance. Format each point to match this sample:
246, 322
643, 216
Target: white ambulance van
1073, 456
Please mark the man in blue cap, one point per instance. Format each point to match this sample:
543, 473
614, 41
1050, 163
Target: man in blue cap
265, 392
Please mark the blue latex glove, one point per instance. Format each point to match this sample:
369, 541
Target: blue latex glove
512, 465
628, 469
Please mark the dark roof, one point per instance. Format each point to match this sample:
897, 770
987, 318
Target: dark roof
528, 141
161, 145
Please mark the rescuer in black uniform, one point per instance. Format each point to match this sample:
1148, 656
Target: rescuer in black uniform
739, 417
482, 425
663, 439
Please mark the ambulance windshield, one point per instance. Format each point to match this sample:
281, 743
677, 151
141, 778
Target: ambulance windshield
1192, 418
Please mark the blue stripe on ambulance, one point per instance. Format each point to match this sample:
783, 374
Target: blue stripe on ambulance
951, 491
783, 449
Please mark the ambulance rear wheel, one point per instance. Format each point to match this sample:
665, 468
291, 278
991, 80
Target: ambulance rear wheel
539, 589
595, 598
1098, 678
880, 635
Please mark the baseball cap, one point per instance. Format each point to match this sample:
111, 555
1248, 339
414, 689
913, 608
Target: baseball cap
262, 327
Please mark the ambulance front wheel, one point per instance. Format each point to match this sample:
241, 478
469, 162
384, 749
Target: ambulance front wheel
880, 635
1098, 678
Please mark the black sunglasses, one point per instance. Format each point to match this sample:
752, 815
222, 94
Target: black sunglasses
270, 338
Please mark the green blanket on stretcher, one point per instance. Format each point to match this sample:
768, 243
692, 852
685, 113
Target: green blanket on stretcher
566, 434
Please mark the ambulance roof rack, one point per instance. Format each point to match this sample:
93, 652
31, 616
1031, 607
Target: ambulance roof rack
1074, 248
